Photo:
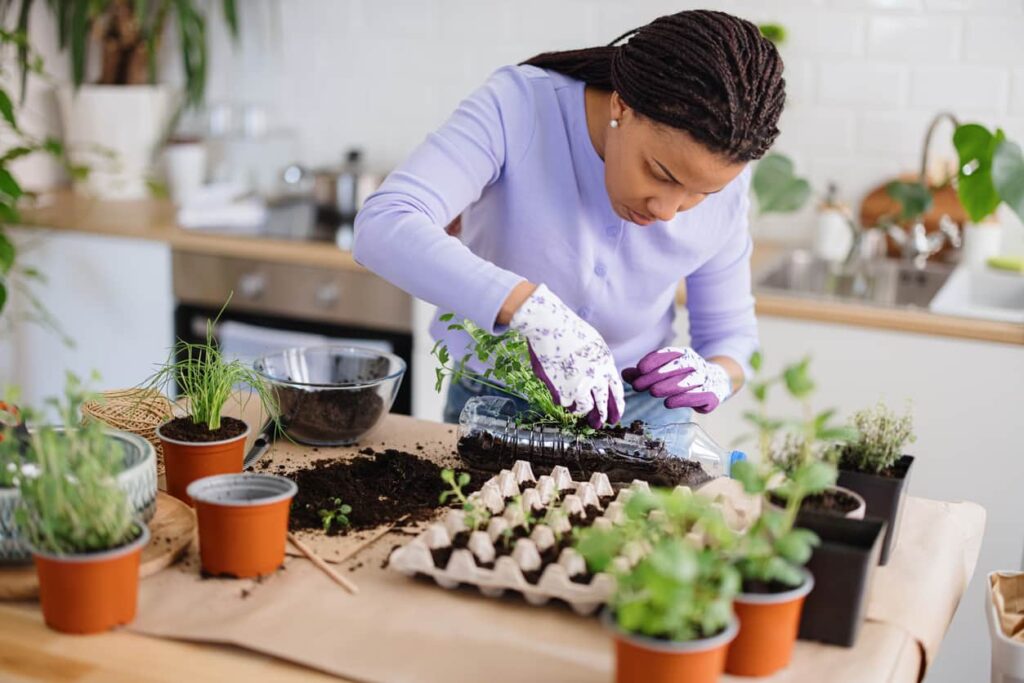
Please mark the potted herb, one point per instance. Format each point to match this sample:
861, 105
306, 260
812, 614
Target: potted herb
530, 425
770, 557
85, 538
874, 465
205, 442
671, 612
793, 443
116, 124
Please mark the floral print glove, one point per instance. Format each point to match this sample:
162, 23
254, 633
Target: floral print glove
571, 358
682, 377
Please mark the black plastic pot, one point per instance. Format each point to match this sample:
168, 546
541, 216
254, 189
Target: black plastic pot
883, 496
843, 566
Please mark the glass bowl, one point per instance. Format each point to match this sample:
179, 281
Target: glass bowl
332, 395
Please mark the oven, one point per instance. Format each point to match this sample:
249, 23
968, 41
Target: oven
278, 305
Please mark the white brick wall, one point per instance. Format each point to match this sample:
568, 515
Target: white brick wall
864, 76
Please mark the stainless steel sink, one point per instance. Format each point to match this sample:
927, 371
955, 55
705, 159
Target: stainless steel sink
882, 282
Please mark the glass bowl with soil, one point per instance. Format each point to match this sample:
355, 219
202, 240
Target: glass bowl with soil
492, 437
332, 395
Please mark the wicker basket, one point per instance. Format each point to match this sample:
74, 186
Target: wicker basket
139, 411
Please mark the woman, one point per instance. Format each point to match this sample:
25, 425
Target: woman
589, 182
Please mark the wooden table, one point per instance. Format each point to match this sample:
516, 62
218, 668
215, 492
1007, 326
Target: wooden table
29, 651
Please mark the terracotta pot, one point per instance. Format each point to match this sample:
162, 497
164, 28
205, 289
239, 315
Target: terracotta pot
639, 659
185, 462
243, 522
90, 592
769, 623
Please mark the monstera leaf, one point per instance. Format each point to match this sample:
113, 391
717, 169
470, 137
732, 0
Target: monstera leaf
777, 187
1008, 175
976, 146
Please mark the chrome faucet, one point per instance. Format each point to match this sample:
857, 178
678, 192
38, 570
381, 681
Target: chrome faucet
917, 245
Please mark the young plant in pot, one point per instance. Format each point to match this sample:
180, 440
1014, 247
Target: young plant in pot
874, 465
86, 540
770, 557
671, 612
205, 442
793, 443
531, 425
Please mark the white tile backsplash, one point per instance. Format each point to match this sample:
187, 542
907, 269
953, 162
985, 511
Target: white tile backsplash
971, 88
1017, 91
862, 83
995, 40
915, 39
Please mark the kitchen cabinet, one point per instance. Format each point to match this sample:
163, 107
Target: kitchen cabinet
112, 295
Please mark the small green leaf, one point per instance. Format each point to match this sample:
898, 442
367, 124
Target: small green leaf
446, 317
914, 198
797, 379
756, 360
775, 33
7, 253
777, 187
8, 185
746, 473
7, 109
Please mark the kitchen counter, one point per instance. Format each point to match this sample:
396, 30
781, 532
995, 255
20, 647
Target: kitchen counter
381, 633
154, 220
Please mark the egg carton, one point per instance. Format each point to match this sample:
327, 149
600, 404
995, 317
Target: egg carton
538, 566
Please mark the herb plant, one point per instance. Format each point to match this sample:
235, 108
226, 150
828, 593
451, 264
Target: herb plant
335, 517
680, 589
70, 499
208, 380
878, 445
510, 371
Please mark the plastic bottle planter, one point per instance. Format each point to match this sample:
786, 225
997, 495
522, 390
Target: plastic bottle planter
137, 479
243, 522
666, 455
185, 462
646, 660
540, 563
843, 567
769, 623
90, 592
884, 497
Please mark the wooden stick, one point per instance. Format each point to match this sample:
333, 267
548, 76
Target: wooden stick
323, 566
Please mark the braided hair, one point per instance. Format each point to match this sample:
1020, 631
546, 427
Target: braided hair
708, 73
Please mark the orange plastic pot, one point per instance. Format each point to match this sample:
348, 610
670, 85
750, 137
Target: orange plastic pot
639, 659
243, 522
769, 623
90, 592
185, 462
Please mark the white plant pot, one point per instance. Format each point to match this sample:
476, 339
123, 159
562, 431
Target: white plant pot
185, 170
981, 241
115, 131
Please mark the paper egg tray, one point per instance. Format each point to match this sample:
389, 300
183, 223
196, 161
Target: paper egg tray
535, 567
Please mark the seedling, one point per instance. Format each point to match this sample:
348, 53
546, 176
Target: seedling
477, 513
337, 516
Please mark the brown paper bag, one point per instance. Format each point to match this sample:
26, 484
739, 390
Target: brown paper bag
1008, 594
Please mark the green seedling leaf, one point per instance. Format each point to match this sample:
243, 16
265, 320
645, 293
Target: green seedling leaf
447, 317
798, 380
7, 253
8, 185
756, 360
775, 33
745, 472
7, 110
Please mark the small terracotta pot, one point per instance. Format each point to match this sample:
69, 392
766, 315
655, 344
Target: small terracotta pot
90, 592
243, 522
185, 462
639, 659
769, 623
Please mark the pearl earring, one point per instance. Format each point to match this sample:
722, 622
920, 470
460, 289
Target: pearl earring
614, 123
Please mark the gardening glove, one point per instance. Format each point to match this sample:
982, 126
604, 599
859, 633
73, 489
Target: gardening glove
571, 358
682, 377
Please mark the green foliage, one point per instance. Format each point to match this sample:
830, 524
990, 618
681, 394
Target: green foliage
679, 590
881, 435
991, 171
208, 380
335, 517
1008, 175
914, 198
777, 187
776, 33
510, 371
79, 21
70, 498
477, 513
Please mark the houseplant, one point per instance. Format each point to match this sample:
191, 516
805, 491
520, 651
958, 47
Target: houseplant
205, 442
671, 612
874, 465
530, 425
116, 124
791, 443
85, 538
770, 557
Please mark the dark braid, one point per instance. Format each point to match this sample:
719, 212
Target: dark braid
708, 73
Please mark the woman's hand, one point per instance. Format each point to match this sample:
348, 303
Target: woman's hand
570, 357
682, 377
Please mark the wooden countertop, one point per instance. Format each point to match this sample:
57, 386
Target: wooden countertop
154, 220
